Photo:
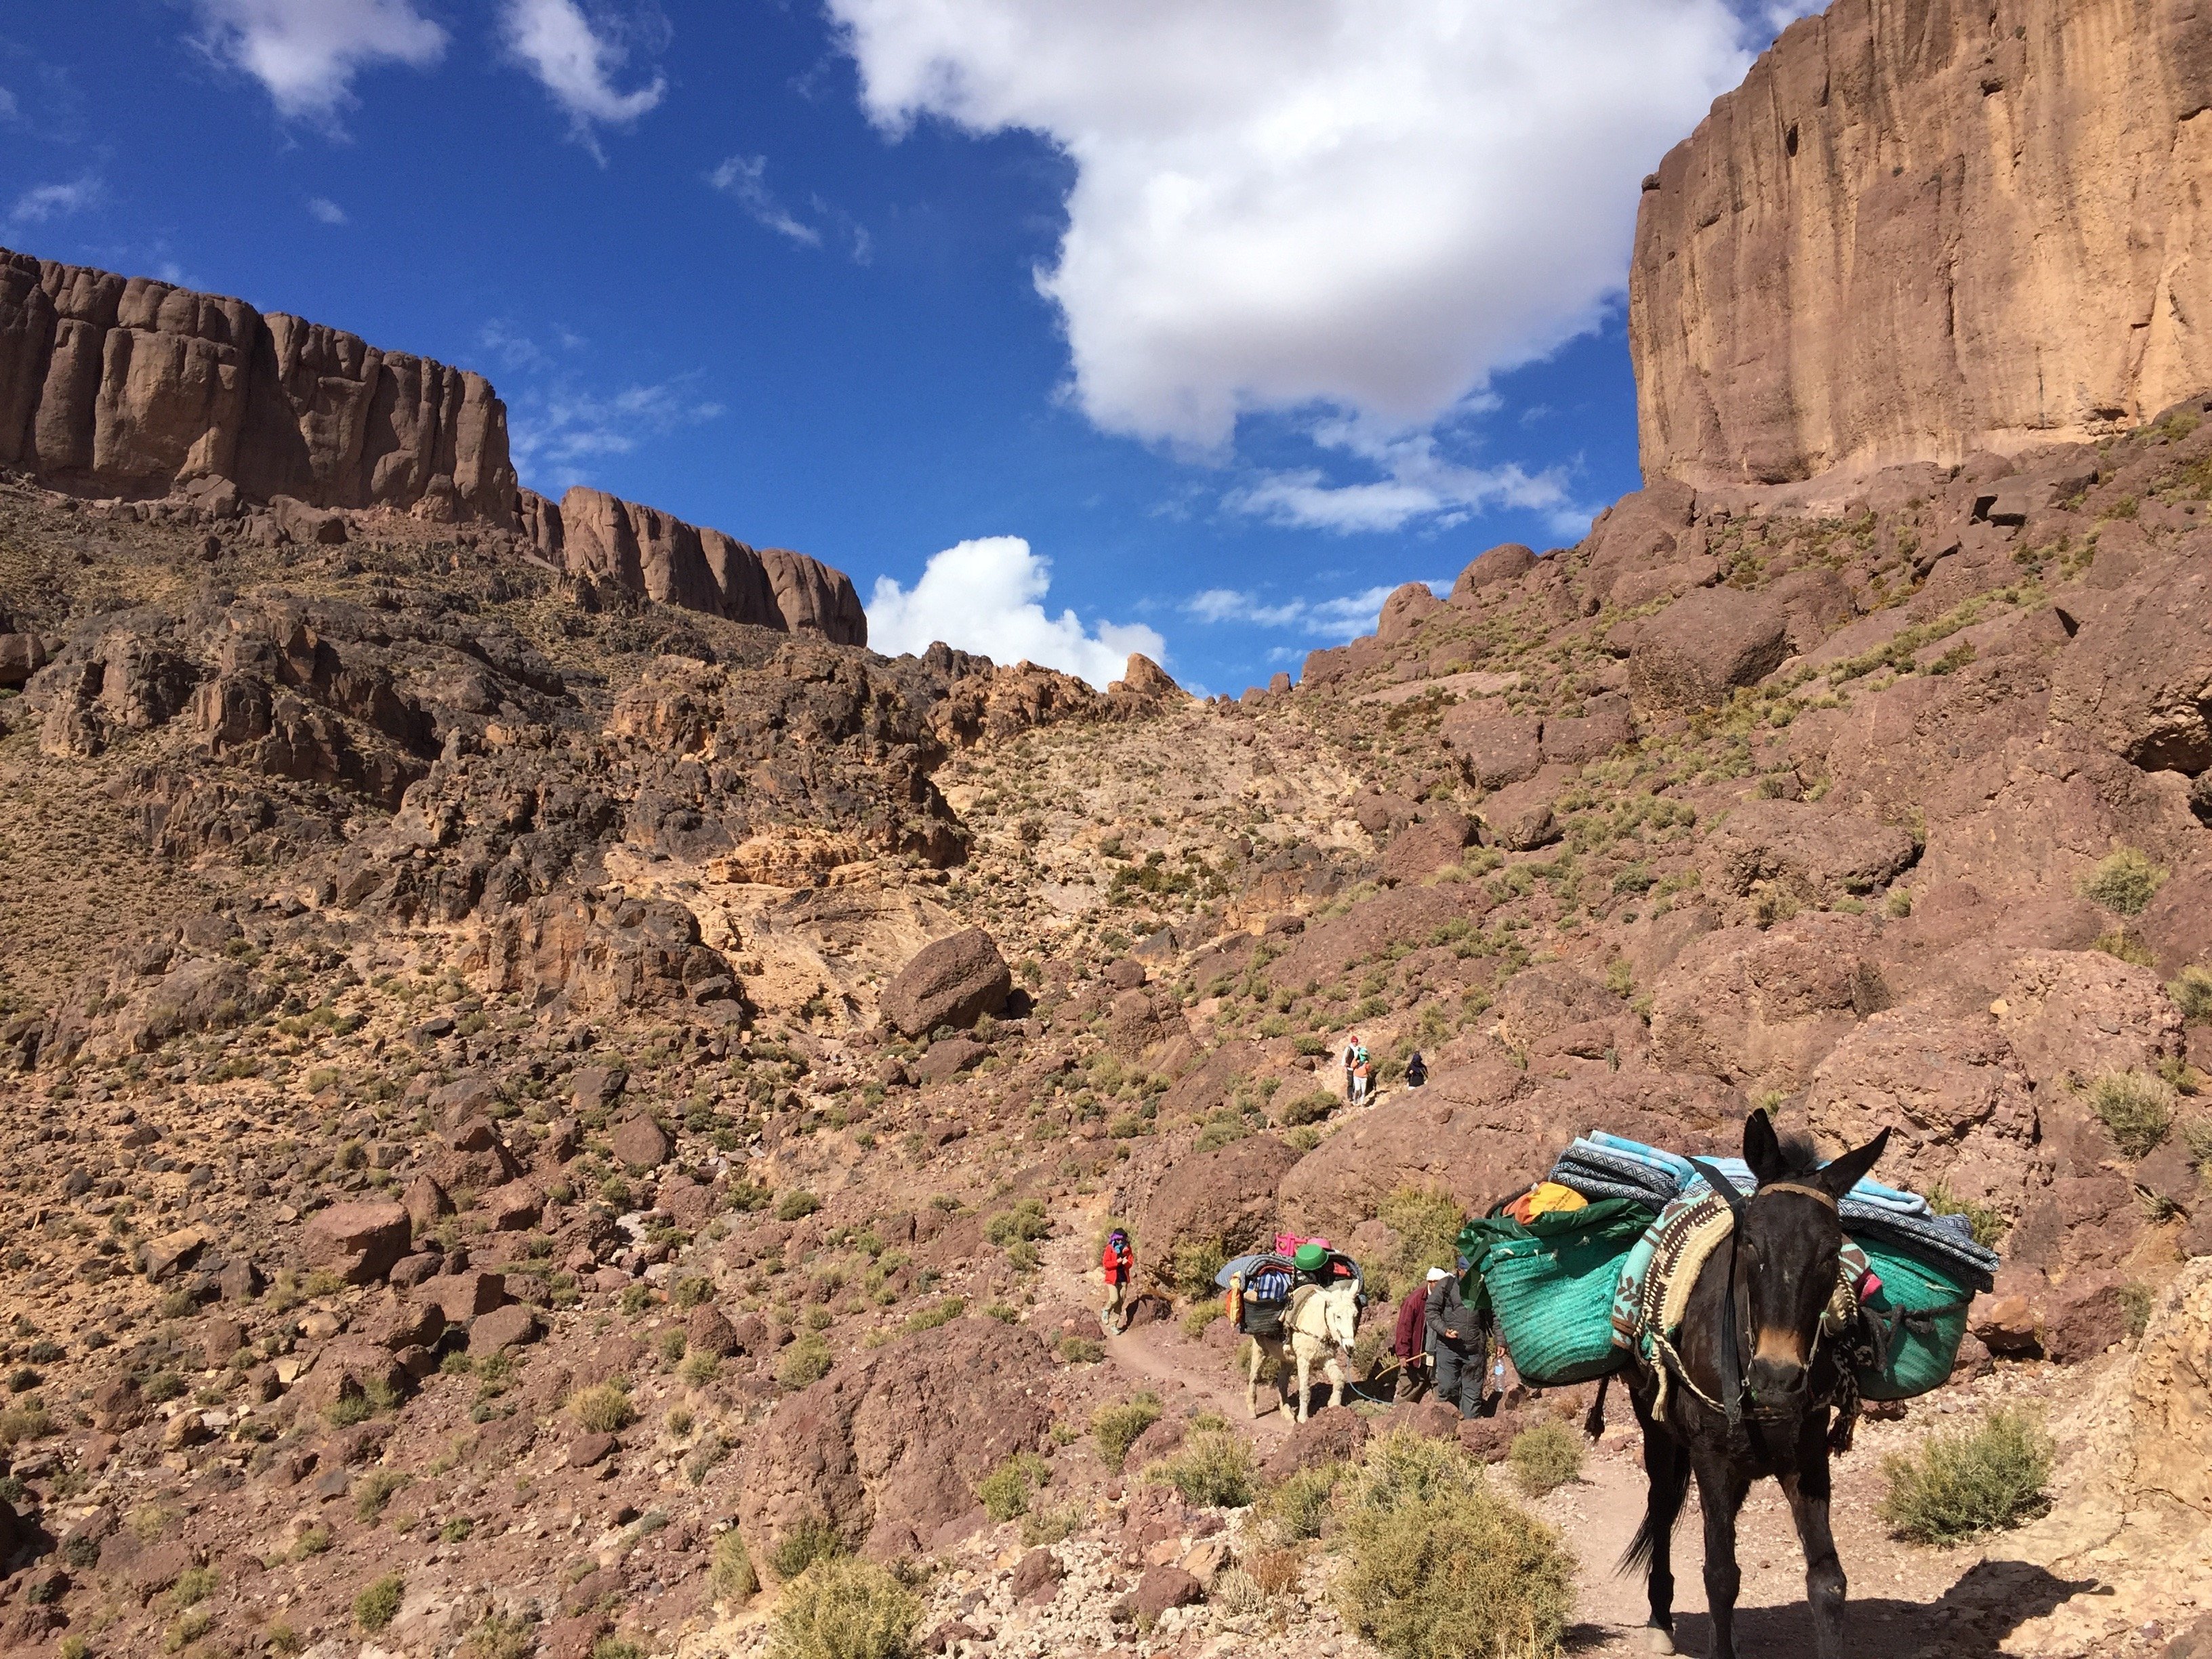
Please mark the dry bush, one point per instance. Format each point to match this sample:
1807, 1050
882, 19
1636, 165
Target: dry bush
2137, 1108
1545, 1456
1974, 1481
845, 1608
1116, 1428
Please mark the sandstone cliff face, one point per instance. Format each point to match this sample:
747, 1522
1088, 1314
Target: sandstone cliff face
125, 386
640, 549
1924, 227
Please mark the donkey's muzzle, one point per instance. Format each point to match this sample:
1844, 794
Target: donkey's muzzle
1778, 1385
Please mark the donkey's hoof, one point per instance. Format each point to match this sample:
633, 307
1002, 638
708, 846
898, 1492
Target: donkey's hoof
1657, 1640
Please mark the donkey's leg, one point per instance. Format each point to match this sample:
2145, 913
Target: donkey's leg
1808, 1490
1305, 1377
1252, 1380
1332, 1369
1720, 1491
1667, 1467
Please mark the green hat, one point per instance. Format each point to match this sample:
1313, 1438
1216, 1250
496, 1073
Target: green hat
1310, 1258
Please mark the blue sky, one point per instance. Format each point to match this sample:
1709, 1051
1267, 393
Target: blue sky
1188, 327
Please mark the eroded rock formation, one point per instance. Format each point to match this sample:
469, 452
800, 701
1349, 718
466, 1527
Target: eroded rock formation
1921, 229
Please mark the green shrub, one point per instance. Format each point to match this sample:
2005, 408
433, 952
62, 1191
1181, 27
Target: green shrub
2122, 882
1985, 1221
1005, 1492
2192, 990
811, 1539
603, 1408
845, 1608
1427, 1220
500, 1637
1192, 1263
804, 1362
1027, 1220
1972, 1481
796, 1204
1116, 1428
1441, 1566
1306, 1108
1081, 1350
1545, 1455
1298, 1507
193, 1584
1214, 1468
943, 1311
2137, 1110
373, 1491
379, 1604
733, 1574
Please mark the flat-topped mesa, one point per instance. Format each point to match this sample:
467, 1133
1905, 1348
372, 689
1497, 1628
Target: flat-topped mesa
123, 386
643, 550
116, 385
1921, 229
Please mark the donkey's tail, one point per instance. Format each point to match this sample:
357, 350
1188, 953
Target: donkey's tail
1637, 1558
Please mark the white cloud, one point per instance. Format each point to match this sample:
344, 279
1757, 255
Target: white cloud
556, 43
58, 201
325, 211
305, 52
1344, 617
9, 108
1285, 202
983, 595
554, 432
745, 179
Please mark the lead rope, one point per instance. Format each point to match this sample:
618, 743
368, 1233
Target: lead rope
1842, 1316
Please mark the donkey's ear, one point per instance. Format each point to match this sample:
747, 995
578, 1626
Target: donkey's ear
1847, 1171
1762, 1149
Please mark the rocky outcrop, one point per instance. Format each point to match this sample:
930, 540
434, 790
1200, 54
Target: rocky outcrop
1920, 229
123, 386
954, 981
117, 386
608, 542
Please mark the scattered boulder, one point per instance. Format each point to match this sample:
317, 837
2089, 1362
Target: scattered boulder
1506, 562
1519, 817
1705, 645
359, 1241
888, 1448
1226, 1196
1494, 749
510, 1327
1422, 849
642, 1143
953, 981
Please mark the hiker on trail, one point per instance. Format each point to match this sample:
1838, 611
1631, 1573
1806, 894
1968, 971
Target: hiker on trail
1455, 1340
1417, 1071
1119, 1265
1351, 1061
1362, 1077
1409, 1341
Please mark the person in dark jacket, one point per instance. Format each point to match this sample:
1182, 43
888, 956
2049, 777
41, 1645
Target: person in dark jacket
1409, 1342
1456, 1343
1417, 1071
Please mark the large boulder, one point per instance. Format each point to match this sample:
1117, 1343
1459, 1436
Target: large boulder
1765, 1007
2169, 1394
1422, 849
1705, 645
2069, 1015
1494, 749
1808, 850
1520, 815
1542, 1001
2138, 671
358, 1241
1405, 610
1960, 1105
1577, 739
1505, 562
954, 981
1225, 1196
889, 1449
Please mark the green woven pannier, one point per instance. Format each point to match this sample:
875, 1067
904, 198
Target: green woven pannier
1919, 1318
1550, 1286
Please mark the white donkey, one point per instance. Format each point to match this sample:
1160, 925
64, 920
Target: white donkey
1317, 1325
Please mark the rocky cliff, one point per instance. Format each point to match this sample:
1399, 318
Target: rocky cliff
117, 386
1921, 228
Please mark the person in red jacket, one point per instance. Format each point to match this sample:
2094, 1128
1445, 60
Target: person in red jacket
1409, 1341
1119, 1265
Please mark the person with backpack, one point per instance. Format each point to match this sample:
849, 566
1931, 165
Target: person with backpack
1457, 1340
1351, 1061
1417, 1071
1363, 1076
1118, 1263
1409, 1341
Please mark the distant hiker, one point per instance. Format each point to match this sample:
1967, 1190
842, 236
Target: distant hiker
1119, 1265
1361, 1075
1417, 1071
1351, 1061
1455, 1338
1409, 1341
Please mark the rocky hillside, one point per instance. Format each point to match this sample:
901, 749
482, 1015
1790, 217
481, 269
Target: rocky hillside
1921, 229
124, 388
